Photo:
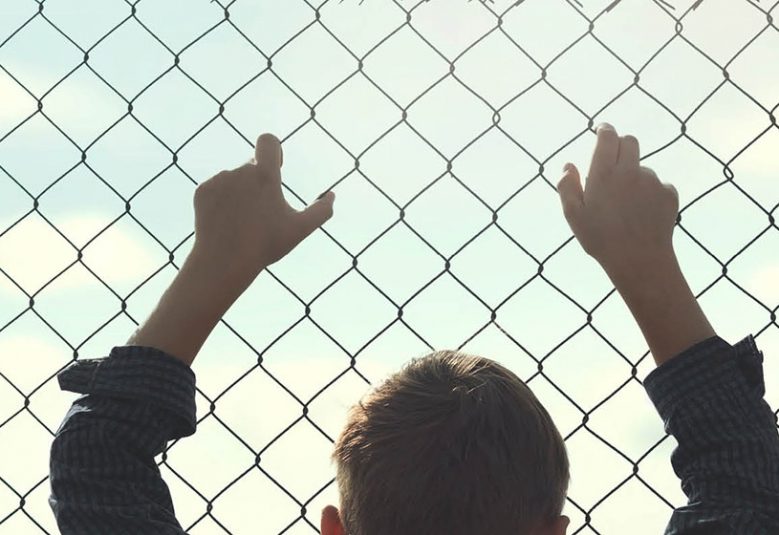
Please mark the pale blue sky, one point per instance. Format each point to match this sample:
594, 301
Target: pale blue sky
546, 130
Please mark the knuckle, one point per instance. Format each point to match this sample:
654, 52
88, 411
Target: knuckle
608, 134
268, 138
201, 189
672, 192
248, 166
606, 130
649, 173
208, 187
629, 138
200, 193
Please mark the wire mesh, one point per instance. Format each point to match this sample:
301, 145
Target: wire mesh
499, 27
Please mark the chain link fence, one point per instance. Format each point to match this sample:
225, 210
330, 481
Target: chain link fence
414, 113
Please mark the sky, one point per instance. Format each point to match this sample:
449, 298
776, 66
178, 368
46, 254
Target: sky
490, 136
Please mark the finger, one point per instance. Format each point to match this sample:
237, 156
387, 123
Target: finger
629, 151
316, 214
268, 154
606, 150
649, 172
571, 194
673, 191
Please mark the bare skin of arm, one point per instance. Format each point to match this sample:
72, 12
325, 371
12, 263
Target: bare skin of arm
242, 225
624, 218
664, 308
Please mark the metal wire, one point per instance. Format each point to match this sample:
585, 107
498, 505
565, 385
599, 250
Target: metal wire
316, 21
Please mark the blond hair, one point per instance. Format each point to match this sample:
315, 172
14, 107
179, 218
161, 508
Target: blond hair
452, 444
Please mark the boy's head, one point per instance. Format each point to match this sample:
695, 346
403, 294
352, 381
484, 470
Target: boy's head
452, 444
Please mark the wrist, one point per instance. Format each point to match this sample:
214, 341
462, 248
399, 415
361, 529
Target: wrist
220, 279
644, 271
196, 300
665, 308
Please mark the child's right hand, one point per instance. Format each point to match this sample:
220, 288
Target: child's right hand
625, 216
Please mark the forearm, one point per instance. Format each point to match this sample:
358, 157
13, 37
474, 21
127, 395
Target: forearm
189, 310
662, 304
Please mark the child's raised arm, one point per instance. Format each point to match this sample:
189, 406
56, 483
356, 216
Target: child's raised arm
709, 393
102, 472
625, 220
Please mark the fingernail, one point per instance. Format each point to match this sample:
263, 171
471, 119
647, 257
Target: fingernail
567, 167
325, 194
604, 126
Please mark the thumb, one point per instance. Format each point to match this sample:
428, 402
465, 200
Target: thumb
316, 214
571, 193
268, 153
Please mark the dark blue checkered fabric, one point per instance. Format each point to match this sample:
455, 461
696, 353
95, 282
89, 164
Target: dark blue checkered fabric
104, 479
711, 400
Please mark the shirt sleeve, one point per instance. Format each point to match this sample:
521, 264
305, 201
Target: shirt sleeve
102, 472
711, 400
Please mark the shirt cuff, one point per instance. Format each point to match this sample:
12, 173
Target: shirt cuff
138, 373
702, 370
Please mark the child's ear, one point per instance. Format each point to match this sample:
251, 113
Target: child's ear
558, 526
331, 522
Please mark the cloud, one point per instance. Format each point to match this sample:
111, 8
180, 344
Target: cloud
32, 252
17, 104
765, 282
81, 105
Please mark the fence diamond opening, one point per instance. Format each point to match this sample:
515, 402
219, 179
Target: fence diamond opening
442, 127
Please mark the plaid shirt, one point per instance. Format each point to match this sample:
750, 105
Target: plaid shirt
104, 479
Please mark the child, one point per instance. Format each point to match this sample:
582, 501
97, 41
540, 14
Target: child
453, 444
